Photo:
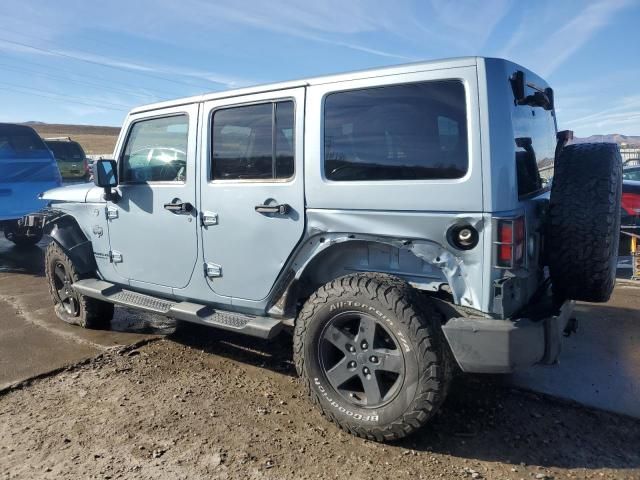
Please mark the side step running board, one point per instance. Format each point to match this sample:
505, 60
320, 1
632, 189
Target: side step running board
262, 327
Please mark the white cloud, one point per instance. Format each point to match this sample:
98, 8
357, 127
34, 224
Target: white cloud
574, 28
110, 62
469, 23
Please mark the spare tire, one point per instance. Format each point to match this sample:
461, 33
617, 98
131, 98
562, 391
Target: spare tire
584, 222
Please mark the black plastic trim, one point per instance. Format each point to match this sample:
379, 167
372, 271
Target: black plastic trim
66, 232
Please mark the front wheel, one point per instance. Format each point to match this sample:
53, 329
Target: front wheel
371, 355
70, 306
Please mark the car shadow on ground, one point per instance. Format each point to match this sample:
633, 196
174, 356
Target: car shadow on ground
274, 355
481, 419
23, 259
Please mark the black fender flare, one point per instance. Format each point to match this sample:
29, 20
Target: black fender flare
66, 232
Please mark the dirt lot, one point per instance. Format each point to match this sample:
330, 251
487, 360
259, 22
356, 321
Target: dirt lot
197, 405
94, 139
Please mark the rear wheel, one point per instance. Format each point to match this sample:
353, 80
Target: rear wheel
584, 222
22, 236
371, 355
70, 306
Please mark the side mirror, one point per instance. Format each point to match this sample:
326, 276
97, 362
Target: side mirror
105, 175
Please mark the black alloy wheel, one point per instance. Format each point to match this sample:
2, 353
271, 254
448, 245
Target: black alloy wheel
67, 296
361, 359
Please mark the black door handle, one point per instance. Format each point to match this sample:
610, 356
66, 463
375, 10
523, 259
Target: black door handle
177, 206
281, 209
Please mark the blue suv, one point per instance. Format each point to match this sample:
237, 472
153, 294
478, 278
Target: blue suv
27, 168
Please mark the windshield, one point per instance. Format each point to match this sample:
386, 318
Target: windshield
632, 173
534, 130
17, 141
66, 151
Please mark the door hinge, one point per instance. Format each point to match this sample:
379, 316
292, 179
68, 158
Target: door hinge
112, 212
115, 256
212, 270
208, 218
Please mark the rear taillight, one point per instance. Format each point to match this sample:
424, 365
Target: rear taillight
631, 203
510, 244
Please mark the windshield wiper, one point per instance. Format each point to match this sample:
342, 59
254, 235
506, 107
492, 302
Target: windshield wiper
540, 97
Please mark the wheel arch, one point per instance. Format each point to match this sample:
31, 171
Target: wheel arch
66, 232
424, 264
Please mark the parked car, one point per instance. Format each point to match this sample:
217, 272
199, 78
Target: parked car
631, 173
72, 161
394, 218
27, 168
630, 203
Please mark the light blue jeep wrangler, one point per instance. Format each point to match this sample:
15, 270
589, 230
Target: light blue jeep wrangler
398, 219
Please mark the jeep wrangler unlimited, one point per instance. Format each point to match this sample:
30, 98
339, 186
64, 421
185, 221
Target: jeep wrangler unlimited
406, 222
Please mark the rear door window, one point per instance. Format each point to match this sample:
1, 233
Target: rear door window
253, 142
411, 131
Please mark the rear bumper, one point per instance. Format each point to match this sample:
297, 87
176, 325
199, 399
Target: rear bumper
482, 345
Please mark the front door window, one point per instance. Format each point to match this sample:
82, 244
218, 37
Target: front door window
156, 151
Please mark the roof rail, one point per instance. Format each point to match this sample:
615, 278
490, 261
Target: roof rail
59, 139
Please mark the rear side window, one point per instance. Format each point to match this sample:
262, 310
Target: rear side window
253, 142
401, 132
156, 151
19, 141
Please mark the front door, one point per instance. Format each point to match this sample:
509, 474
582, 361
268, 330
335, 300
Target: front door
252, 196
153, 225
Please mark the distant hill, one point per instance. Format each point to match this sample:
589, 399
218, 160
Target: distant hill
630, 140
94, 139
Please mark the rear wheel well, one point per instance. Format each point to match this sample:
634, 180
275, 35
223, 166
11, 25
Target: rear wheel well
362, 256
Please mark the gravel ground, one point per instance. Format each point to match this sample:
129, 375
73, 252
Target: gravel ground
206, 404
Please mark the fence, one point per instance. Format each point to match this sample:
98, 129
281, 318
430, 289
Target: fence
630, 156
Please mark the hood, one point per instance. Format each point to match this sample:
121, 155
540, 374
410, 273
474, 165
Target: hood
73, 193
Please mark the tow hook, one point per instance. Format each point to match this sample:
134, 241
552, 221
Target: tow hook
572, 327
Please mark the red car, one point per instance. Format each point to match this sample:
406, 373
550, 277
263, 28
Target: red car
630, 203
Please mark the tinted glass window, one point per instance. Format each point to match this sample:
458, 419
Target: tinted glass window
19, 141
66, 151
400, 132
156, 151
535, 145
253, 142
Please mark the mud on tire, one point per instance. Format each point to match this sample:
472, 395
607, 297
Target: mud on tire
333, 316
584, 222
70, 306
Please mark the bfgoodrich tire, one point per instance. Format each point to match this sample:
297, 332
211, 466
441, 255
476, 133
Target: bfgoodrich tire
584, 222
70, 306
371, 355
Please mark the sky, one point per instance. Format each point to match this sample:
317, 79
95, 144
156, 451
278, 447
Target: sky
83, 62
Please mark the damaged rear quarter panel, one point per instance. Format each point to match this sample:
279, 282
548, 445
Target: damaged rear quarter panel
423, 234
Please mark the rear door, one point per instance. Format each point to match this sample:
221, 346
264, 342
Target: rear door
152, 241
252, 197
